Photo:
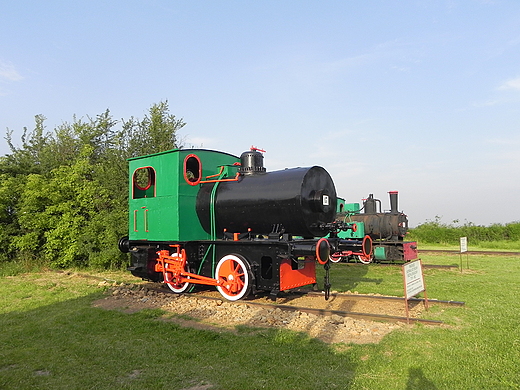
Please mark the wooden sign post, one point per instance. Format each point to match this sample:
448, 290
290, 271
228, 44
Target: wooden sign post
413, 279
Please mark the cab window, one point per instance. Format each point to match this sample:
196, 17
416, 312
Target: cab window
192, 169
143, 183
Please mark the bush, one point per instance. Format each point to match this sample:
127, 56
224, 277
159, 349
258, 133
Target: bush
64, 194
436, 232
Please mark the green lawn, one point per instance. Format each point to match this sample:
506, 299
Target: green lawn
52, 338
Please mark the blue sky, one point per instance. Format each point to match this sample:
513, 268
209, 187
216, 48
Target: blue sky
417, 96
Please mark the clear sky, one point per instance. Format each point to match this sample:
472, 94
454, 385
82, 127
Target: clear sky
418, 96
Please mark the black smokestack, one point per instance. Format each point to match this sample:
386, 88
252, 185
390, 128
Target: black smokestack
393, 202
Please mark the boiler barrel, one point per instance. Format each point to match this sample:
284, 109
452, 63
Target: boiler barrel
383, 225
299, 199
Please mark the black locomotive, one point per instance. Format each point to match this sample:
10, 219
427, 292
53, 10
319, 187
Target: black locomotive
201, 217
387, 229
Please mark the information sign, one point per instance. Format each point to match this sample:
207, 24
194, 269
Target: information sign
463, 244
413, 278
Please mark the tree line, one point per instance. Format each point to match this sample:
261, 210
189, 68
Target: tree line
64, 193
437, 232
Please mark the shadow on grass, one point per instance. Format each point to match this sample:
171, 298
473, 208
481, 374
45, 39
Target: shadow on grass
417, 380
346, 277
72, 345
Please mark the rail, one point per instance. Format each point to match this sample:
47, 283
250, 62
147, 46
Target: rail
450, 251
207, 295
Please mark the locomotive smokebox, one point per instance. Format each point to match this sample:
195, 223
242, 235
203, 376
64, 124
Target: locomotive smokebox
297, 201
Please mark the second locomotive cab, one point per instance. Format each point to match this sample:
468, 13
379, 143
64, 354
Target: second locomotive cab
203, 217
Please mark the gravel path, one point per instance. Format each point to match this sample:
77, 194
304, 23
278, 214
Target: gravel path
220, 315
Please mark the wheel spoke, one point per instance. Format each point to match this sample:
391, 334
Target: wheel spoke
233, 270
172, 280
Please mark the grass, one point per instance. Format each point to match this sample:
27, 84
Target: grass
480, 349
52, 338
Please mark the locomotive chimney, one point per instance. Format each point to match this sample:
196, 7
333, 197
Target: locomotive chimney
393, 202
251, 162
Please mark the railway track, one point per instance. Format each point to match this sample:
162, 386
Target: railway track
398, 299
497, 253
288, 302
343, 313
338, 320
314, 303
441, 266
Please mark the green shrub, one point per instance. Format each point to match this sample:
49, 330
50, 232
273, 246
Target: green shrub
436, 232
64, 193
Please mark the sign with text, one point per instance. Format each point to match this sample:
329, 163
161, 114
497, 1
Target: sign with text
463, 244
413, 278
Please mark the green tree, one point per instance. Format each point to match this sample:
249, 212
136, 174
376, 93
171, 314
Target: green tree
9, 227
156, 133
64, 193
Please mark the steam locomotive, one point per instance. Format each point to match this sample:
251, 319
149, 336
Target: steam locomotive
387, 230
203, 217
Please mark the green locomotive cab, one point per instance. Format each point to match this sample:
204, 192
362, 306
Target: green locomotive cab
163, 192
